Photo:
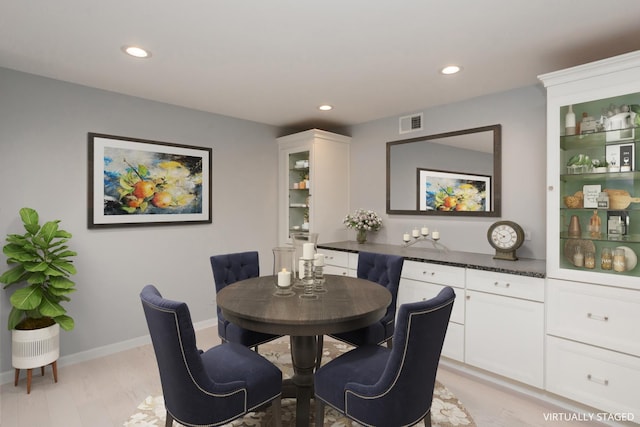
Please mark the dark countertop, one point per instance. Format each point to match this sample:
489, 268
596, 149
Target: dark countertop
426, 253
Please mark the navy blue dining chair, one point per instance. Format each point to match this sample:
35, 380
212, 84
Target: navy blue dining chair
378, 386
228, 269
384, 270
205, 388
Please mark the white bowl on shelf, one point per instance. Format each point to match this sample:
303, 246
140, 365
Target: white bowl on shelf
630, 257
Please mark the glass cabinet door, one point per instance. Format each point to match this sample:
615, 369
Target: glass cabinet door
600, 186
299, 192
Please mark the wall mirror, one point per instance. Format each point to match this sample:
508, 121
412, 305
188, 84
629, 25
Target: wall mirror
449, 174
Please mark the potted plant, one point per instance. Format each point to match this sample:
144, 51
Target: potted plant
41, 269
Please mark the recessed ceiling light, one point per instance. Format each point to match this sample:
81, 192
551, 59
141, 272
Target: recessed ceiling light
451, 69
325, 107
137, 52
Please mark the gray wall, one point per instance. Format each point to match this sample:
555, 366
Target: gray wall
522, 114
43, 164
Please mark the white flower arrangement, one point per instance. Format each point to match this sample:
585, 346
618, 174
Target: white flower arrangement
363, 219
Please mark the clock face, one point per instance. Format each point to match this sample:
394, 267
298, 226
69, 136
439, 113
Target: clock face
504, 237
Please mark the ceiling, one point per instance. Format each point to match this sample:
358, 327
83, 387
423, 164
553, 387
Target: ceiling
276, 61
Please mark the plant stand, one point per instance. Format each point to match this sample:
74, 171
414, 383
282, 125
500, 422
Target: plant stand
35, 349
54, 366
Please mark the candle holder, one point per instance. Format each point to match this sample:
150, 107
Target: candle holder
283, 262
298, 283
318, 278
307, 279
424, 238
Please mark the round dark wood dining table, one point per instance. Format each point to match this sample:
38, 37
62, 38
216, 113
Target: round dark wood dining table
348, 304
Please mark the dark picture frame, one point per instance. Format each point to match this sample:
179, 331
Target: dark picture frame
139, 182
452, 192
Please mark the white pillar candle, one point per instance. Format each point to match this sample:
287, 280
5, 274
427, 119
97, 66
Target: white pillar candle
406, 237
435, 235
307, 250
318, 260
416, 232
284, 278
424, 231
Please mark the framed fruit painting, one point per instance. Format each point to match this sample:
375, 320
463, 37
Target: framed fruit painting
142, 182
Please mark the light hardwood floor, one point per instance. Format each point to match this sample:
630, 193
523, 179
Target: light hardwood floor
106, 391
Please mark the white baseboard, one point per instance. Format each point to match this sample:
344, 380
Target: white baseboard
106, 350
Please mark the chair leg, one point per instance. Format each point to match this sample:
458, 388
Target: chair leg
319, 348
427, 419
276, 408
319, 412
169, 421
15, 382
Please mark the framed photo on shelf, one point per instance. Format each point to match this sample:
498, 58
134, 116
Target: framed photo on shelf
621, 156
137, 182
453, 191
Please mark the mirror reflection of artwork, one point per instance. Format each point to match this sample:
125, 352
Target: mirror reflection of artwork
453, 192
474, 151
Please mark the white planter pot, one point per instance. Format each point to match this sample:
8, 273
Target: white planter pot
35, 348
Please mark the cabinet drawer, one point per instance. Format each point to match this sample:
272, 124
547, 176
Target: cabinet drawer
338, 271
511, 285
412, 291
434, 273
594, 314
596, 377
335, 258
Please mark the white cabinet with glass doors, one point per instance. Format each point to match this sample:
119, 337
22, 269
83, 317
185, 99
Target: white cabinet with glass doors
313, 185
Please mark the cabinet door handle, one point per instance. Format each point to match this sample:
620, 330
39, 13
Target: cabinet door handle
426, 272
597, 317
506, 285
468, 296
597, 380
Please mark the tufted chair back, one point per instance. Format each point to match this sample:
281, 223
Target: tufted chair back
228, 269
384, 270
231, 268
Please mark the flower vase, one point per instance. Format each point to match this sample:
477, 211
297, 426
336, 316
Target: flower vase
361, 236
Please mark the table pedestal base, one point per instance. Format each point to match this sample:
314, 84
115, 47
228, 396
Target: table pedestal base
303, 354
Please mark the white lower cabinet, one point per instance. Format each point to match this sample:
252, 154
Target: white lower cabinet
601, 378
504, 327
593, 345
422, 281
600, 315
580, 341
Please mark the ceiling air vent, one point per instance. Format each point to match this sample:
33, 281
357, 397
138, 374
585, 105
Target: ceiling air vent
411, 123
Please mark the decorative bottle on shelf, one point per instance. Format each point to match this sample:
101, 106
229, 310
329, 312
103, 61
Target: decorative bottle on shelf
574, 227
570, 122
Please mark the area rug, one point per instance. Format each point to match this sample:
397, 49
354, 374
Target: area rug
446, 409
